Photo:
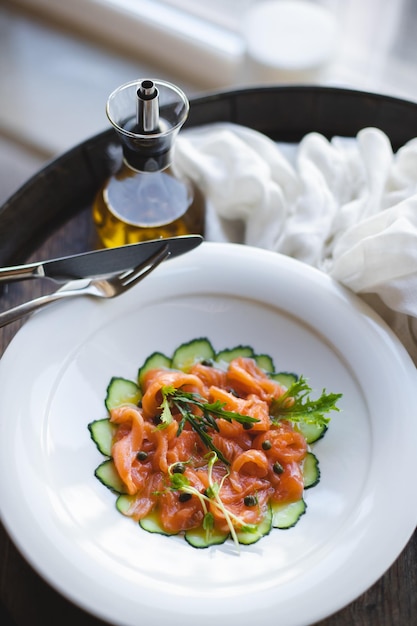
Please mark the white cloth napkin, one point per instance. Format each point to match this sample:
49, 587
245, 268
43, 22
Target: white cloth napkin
345, 206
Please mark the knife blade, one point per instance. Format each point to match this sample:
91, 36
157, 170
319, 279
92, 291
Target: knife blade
99, 262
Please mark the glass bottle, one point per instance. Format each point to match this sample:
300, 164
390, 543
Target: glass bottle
145, 198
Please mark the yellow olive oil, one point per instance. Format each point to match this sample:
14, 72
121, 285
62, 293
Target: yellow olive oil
134, 206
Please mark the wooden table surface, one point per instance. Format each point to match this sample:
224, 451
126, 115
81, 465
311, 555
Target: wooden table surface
29, 601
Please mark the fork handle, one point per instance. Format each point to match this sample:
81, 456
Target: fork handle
17, 312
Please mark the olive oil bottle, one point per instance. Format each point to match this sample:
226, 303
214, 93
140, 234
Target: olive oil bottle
145, 198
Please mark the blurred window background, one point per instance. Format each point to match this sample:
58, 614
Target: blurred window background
226, 13
60, 59
204, 41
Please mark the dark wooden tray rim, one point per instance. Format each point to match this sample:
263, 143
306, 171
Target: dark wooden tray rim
68, 183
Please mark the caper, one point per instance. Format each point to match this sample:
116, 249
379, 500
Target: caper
247, 425
184, 497
266, 445
277, 467
250, 500
142, 455
178, 468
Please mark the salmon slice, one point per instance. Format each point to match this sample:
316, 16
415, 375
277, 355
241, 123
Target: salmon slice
179, 513
145, 501
251, 463
284, 445
185, 447
235, 489
251, 406
245, 377
128, 442
156, 379
209, 375
289, 485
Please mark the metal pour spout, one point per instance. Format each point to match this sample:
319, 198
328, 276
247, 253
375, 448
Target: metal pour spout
147, 114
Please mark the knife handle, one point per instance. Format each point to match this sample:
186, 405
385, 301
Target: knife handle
21, 272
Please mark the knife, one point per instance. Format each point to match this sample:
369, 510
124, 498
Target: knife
100, 262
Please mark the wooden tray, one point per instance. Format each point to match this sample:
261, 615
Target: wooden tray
51, 216
68, 184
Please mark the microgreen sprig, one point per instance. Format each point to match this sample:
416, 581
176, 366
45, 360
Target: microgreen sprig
180, 482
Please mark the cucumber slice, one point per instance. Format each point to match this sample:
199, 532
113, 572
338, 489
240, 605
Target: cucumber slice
265, 362
311, 470
151, 523
122, 391
157, 360
123, 503
285, 378
287, 515
264, 528
225, 356
199, 538
311, 432
192, 352
102, 433
107, 474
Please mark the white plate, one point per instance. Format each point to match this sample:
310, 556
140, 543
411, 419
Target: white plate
53, 379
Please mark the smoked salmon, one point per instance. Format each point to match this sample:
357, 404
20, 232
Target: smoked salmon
212, 450
147, 453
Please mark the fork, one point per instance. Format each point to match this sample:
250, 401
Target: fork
99, 287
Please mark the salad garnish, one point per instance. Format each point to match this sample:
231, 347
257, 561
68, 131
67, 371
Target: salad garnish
212, 445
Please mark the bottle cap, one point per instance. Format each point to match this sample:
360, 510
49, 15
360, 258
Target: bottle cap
147, 115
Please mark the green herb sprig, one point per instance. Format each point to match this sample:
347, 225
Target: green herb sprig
297, 406
186, 403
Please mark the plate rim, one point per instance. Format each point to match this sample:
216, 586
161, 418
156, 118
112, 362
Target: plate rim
239, 252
